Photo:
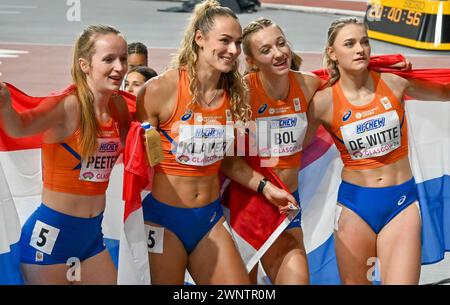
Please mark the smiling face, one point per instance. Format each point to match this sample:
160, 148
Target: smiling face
351, 48
108, 64
221, 46
270, 52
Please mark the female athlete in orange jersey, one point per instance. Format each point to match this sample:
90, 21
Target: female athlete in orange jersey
83, 136
194, 107
279, 99
377, 211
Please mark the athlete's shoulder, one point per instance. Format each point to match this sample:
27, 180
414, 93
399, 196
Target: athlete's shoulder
309, 81
394, 82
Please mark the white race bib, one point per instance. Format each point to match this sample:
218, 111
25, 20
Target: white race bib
281, 135
372, 137
202, 145
44, 237
97, 168
155, 238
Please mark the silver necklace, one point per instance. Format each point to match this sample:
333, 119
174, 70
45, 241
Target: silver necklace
212, 99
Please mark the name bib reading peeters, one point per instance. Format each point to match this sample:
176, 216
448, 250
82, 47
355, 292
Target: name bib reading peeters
373, 137
281, 135
202, 145
97, 168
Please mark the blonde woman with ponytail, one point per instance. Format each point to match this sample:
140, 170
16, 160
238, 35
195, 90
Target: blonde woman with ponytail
194, 106
377, 213
83, 137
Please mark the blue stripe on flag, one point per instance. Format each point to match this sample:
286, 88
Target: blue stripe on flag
113, 247
322, 264
434, 197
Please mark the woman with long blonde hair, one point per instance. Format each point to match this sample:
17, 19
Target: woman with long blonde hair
194, 106
83, 136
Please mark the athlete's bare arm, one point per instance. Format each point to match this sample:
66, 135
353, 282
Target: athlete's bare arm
155, 102
239, 170
419, 89
51, 113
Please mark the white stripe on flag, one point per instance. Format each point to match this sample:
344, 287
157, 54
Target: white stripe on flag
9, 221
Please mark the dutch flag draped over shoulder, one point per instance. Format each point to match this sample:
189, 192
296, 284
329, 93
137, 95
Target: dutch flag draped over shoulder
319, 179
21, 186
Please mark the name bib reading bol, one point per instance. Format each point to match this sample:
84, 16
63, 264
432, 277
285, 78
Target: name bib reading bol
281, 135
97, 168
373, 137
202, 145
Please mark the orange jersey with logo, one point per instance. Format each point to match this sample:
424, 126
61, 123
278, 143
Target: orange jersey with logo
64, 171
280, 124
371, 135
195, 139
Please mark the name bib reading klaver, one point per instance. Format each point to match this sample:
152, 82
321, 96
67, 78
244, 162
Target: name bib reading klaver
202, 145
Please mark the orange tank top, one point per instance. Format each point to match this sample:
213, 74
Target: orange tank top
371, 135
64, 171
195, 139
280, 124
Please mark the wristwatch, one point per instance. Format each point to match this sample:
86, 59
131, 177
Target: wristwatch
261, 185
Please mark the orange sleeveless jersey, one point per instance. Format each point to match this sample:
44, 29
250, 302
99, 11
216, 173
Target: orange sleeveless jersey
371, 135
280, 124
64, 172
195, 139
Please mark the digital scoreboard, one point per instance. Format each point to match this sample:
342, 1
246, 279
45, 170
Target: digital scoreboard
420, 24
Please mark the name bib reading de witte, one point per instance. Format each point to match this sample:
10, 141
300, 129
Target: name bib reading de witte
373, 137
281, 135
97, 168
202, 145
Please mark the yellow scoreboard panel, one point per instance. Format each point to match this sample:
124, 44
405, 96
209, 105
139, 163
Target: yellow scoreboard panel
421, 24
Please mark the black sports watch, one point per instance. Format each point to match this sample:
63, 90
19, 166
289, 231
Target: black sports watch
261, 185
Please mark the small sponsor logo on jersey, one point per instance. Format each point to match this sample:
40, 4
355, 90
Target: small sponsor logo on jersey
183, 158
358, 115
209, 133
386, 103
187, 115
346, 115
370, 125
297, 105
284, 123
262, 108
88, 175
228, 115
401, 200
271, 110
108, 147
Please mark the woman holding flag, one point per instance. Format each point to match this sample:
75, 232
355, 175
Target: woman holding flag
83, 135
378, 215
279, 98
194, 107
